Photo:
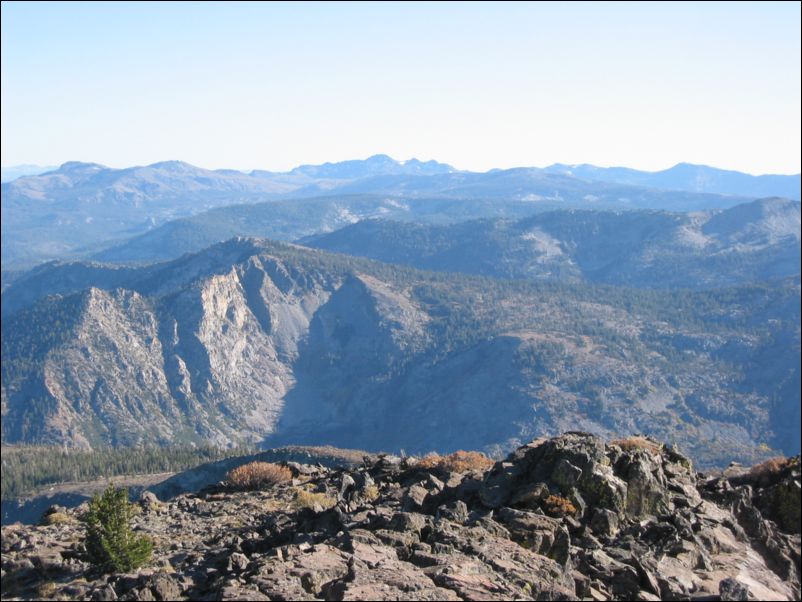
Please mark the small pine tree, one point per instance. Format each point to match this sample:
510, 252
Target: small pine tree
110, 542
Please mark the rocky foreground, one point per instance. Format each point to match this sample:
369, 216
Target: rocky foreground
559, 519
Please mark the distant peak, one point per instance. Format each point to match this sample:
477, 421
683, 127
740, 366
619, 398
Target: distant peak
80, 166
775, 202
172, 165
375, 165
685, 165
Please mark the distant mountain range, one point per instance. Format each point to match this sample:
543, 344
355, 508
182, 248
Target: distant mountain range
690, 177
657, 249
258, 341
82, 207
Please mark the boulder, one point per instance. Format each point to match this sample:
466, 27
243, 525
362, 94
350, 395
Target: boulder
541, 534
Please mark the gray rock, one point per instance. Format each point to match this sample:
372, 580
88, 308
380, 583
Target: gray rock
104, 593
732, 589
604, 522
415, 497
456, 511
647, 492
347, 483
566, 475
530, 495
541, 534
148, 500
164, 587
237, 562
408, 521
434, 484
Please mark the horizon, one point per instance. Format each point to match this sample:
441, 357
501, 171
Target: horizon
480, 86
400, 161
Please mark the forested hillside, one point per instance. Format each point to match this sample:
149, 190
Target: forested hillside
266, 343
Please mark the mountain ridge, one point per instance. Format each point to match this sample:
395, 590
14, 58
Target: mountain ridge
690, 177
751, 241
267, 342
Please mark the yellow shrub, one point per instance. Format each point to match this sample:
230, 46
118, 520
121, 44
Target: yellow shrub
459, 461
258, 474
58, 518
309, 499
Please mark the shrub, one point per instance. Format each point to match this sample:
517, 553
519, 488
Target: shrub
110, 542
558, 506
57, 518
255, 475
459, 461
772, 466
309, 499
638, 442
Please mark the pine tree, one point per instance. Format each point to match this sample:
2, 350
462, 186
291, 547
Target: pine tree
110, 542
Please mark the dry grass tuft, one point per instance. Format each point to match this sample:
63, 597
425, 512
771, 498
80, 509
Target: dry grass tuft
256, 475
558, 506
309, 499
459, 461
371, 493
47, 590
59, 518
638, 442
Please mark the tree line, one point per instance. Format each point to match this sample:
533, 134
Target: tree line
27, 468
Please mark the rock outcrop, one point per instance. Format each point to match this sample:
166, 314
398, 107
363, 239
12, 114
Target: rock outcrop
558, 519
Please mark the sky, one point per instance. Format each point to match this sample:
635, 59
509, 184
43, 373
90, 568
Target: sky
479, 86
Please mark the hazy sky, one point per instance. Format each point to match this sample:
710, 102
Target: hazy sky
475, 85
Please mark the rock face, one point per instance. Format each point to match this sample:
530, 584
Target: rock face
261, 342
640, 525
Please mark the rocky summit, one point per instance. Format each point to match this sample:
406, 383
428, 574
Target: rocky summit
564, 518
